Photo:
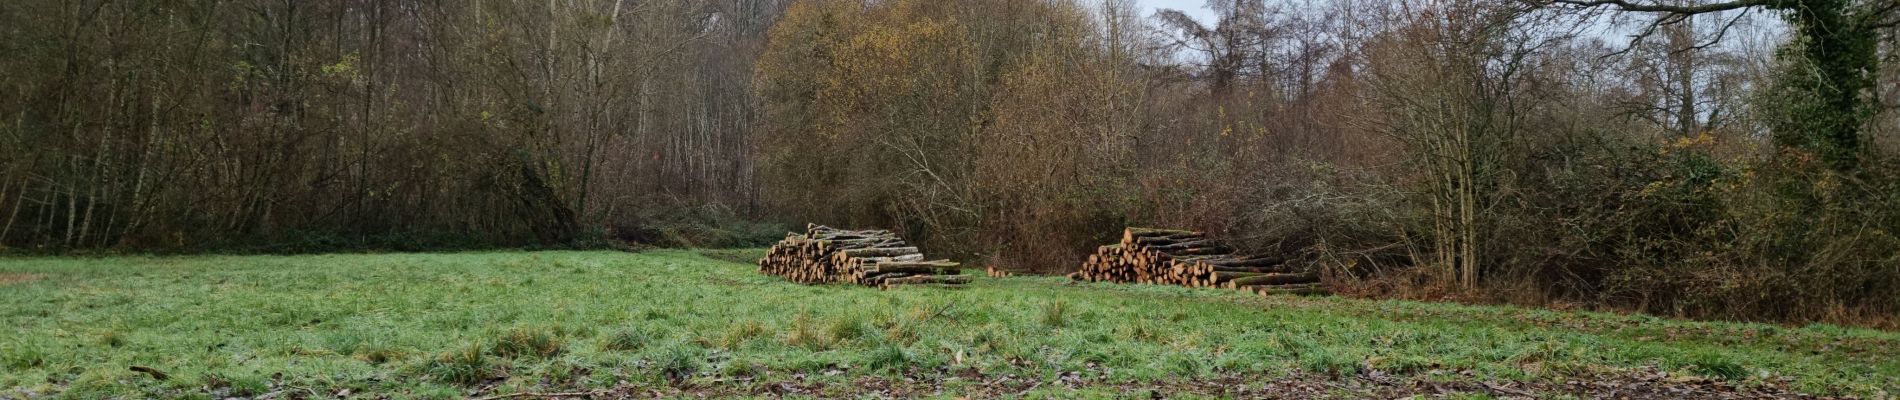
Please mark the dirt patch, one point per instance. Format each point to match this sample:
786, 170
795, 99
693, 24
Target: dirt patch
9, 278
1632, 385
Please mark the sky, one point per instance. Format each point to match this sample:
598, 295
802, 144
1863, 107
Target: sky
1760, 28
1194, 8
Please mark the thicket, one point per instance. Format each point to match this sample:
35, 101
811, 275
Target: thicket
1462, 149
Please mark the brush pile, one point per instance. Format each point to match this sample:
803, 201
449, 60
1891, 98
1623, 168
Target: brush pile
1187, 258
868, 257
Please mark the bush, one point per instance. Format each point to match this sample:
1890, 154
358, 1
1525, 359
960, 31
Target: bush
1675, 229
693, 226
1689, 227
1341, 216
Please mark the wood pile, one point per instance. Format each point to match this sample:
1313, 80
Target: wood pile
1188, 258
995, 272
866, 257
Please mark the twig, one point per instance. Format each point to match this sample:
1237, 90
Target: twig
946, 310
544, 395
1030, 389
155, 373
1505, 390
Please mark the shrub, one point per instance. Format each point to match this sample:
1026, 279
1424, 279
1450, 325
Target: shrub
1675, 229
693, 226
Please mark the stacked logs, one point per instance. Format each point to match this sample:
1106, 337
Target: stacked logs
1187, 258
995, 272
867, 257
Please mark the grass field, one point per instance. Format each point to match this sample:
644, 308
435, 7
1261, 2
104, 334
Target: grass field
681, 323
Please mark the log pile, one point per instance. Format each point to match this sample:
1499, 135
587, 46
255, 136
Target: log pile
995, 272
1187, 258
866, 257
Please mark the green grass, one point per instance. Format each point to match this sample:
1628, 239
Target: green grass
444, 325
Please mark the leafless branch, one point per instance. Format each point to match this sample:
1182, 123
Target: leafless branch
1626, 5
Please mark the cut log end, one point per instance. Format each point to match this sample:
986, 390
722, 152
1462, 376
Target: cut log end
867, 257
1189, 258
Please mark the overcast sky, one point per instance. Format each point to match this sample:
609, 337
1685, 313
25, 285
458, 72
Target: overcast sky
1196, 8
1762, 27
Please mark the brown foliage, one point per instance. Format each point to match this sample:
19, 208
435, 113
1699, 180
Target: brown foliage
310, 125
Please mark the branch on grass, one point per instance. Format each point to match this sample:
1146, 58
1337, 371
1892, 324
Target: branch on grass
544, 395
154, 372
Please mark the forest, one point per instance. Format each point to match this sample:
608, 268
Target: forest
1724, 159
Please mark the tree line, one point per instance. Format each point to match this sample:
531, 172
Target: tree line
1721, 158
317, 124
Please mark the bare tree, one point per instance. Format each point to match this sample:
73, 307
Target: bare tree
1837, 43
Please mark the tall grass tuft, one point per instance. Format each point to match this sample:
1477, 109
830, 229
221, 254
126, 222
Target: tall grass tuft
1053, 314
889, 358
680, 361
845, 328
467, 365
627, 339
528, 342
741, 332
805, 333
